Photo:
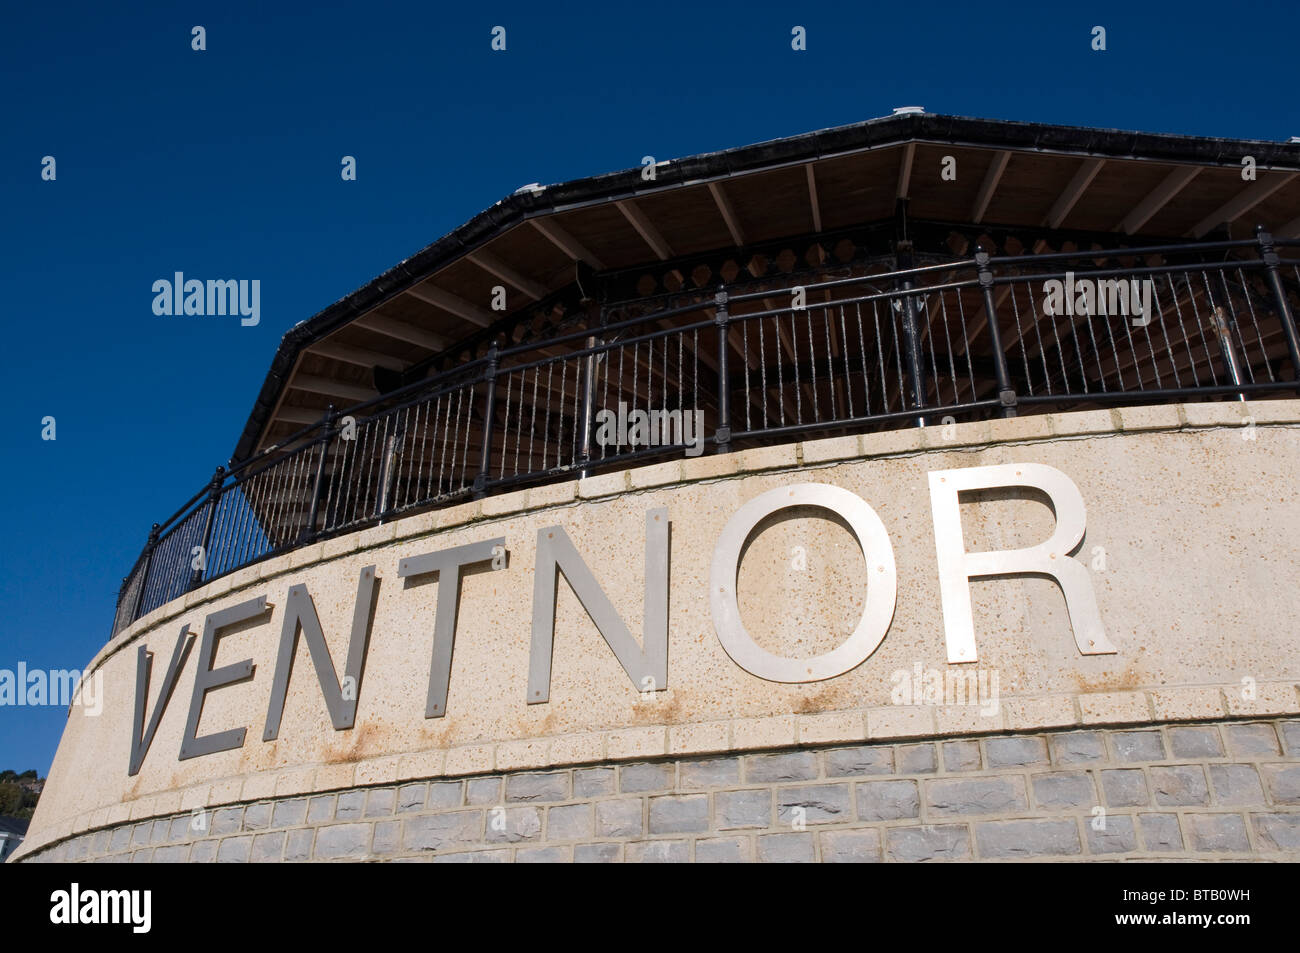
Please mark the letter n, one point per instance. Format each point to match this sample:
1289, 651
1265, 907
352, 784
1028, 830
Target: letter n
646, 666
300, 616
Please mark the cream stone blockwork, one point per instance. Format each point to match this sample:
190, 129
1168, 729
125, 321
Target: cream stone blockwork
1049, 711
1197, 525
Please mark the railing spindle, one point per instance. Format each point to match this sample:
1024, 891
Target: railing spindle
722, 435
1270, 258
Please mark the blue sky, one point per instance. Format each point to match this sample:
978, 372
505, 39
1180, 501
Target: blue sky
225, 163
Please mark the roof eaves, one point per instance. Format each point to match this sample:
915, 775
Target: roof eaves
806, 147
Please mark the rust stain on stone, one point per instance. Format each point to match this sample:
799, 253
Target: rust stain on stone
441, 737
1126, 681
823, 700
367, 738
657, 712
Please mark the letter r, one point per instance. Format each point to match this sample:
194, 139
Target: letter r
1049, 558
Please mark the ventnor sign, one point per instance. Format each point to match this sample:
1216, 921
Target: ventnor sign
645, 661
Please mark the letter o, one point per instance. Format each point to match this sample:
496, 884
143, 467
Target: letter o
882, 585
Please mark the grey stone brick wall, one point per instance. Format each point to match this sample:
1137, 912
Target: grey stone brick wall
1227, 790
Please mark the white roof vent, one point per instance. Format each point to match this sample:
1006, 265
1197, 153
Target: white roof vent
1293, 139
909, 111
530, 187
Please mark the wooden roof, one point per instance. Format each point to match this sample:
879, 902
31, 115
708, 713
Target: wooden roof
1008, 175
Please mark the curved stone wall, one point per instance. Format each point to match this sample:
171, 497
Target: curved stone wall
1191, 515
1191, 791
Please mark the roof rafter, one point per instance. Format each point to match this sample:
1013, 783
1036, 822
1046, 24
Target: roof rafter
1159, 197
1290, 230
1073, 192
813, 201
360, 356
905, 169
298, 415
495, 266
989, 186
728, 213
331, 388
1241, 203
566, 243
402, 331
450, 302
645, 228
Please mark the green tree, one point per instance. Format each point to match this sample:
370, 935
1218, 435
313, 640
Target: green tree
11, 799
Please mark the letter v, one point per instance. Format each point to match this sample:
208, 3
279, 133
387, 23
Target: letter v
141, 738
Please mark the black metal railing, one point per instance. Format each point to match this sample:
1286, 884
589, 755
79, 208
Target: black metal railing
735, 367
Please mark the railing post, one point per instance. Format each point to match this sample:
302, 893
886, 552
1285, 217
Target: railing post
588, 406
912, 338
722, 437
911, 333
595, 318
1269, 254
117, 606
489, 412
1006, 393
309, 528
214, 497
149, 546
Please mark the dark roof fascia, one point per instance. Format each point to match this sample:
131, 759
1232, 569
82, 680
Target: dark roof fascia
715, 166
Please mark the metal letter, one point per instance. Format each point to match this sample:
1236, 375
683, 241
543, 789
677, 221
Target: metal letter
555, 554
447, 564
208, 678
141, 737
300, 614
1051, 558
882, 585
